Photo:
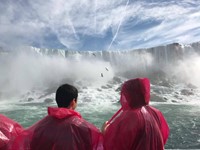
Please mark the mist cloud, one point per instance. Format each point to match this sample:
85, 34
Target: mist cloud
24, 72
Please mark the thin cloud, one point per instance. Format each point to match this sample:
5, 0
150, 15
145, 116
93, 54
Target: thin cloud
115, 36
173, 27
26, 22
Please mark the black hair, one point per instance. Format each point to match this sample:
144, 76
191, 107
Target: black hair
65, 94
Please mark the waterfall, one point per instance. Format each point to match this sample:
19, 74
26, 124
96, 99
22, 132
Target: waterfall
34, 68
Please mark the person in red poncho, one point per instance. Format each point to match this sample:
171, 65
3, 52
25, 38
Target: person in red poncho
9, 130
62, 129
136, 126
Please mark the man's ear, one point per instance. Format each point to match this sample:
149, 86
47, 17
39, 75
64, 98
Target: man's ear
73, 104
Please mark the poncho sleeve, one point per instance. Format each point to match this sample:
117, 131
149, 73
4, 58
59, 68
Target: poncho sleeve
9, 130
123, 132
163, 125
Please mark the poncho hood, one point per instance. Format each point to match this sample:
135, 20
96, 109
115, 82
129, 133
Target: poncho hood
135, 93
61, 113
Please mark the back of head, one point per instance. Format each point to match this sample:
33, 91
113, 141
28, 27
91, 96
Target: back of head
65, 94
135, 93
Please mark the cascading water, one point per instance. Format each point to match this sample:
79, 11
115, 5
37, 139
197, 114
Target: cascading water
30, 76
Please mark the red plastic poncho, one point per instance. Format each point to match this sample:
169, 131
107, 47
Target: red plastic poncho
9, 130
136, 126
62, 129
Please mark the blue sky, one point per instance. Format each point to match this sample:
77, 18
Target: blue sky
98, 24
